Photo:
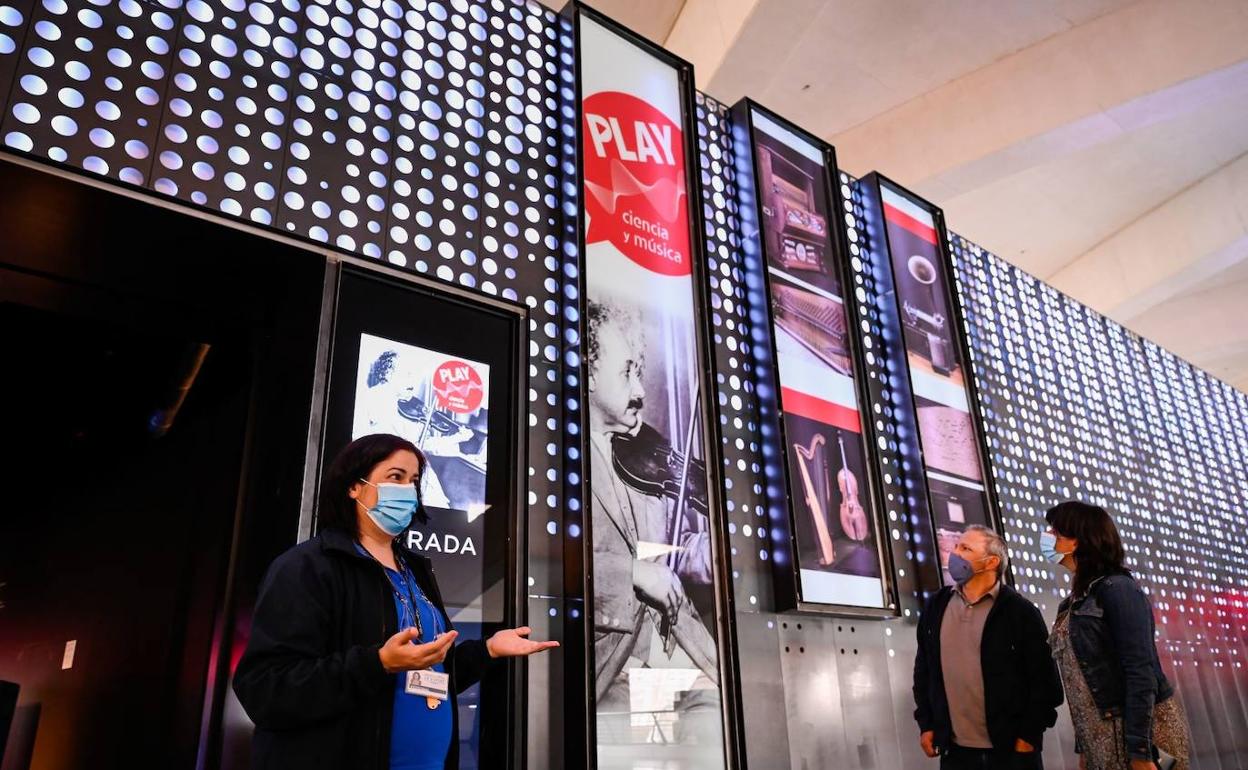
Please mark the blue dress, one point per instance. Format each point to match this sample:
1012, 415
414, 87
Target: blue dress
420, 737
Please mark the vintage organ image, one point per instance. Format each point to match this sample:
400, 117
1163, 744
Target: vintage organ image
797, 235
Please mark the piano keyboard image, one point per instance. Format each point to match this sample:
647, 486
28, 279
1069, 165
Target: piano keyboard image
816, 322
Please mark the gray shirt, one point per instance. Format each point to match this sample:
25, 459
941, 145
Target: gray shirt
961, 630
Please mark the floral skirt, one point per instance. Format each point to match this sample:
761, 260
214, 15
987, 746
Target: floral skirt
1101, 738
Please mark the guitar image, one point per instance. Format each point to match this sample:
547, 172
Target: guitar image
853, 517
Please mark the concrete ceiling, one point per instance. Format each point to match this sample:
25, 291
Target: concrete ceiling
1101, 145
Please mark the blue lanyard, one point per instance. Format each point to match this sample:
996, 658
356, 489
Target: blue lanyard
407, 597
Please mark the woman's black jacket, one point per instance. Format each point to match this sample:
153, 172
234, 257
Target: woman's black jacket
311, 678
1112, 632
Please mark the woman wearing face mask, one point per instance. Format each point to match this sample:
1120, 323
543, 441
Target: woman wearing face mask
1121, 704
344, 617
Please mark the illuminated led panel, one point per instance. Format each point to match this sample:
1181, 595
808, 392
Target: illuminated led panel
90, 83
938, 365
224, 129
14, 21
826, 433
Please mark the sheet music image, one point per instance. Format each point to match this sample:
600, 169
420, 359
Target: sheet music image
947, 436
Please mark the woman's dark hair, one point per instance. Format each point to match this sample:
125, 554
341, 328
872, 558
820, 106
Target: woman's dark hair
1099, 550
353, 462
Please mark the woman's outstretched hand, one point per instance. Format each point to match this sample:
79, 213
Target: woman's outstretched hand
399, 654
511, 643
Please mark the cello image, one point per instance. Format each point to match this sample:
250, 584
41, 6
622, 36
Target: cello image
853, 517
816, 499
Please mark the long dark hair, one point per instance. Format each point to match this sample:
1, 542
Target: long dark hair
1099, 552
353, 462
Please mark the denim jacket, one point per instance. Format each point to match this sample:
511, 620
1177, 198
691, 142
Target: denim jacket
1112, 632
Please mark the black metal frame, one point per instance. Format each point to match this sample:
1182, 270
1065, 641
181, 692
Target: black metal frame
788, 585
734, 731
516, 610
872, 184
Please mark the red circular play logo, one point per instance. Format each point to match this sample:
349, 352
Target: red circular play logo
458, 387
634, 166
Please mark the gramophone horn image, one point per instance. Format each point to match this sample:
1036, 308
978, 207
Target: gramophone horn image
927, 321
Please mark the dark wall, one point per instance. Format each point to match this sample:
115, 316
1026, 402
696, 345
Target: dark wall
119, 535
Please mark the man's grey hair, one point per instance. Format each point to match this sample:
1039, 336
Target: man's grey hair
994, 544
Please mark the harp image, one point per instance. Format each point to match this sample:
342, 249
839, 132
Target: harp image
818, 490
796, 234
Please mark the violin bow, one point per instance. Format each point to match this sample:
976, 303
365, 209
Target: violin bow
682, 496
667, 628
424, 434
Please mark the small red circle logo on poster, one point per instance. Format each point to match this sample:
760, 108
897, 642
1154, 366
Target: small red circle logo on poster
634, 166
458, 387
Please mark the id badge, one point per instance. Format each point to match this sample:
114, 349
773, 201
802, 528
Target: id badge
429, 684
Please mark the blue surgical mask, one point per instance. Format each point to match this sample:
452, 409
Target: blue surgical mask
960, 569
396, 504
1048, 548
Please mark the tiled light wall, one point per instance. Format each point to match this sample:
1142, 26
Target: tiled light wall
440, 137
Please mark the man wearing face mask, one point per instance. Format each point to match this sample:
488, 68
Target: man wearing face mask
985, 686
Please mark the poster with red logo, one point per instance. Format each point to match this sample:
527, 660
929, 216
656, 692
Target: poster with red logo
438, 402
655, 651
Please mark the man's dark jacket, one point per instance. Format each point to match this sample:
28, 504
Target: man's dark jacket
1022, 688
311, 678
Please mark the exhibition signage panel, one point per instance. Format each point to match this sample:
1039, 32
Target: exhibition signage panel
656, 659
833, 506
442, 369
941, 382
